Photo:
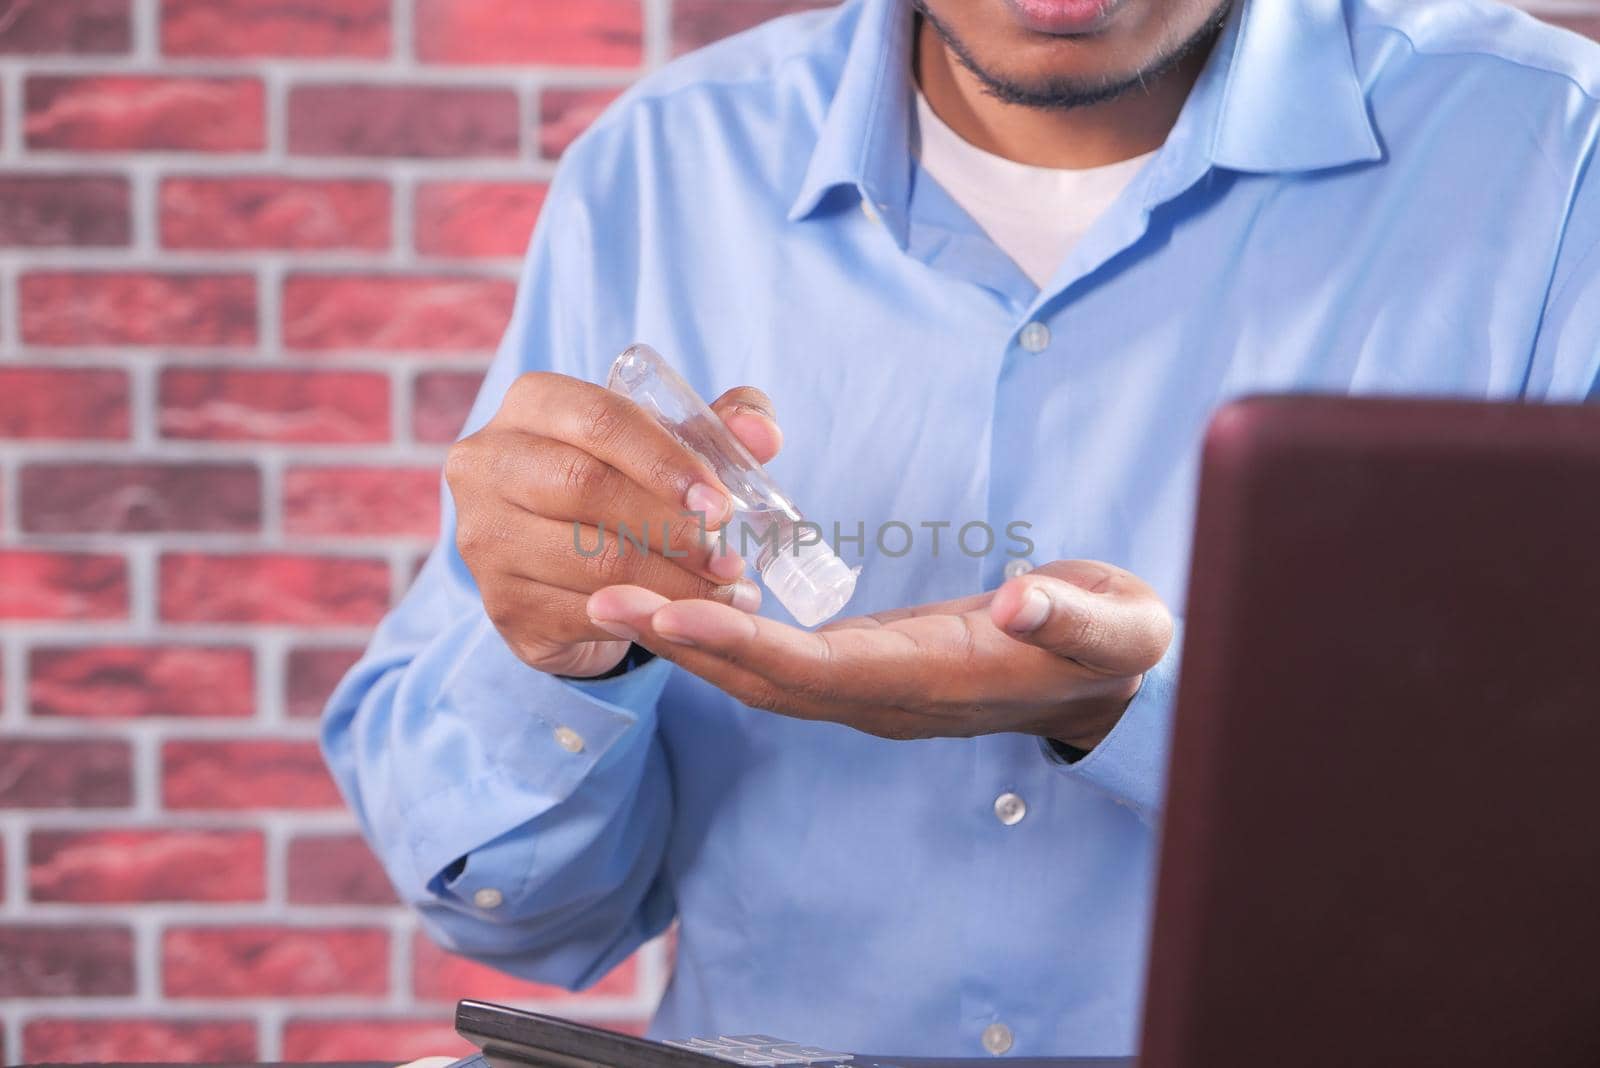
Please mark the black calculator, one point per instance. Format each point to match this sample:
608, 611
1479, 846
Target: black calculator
512, 1038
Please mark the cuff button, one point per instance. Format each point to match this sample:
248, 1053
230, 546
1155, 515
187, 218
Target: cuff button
488, 898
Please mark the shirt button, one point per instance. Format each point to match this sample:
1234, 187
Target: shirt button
997, 1038
1035, 337
868, 210
569, 739
1009, 809
1016, 568
488, 898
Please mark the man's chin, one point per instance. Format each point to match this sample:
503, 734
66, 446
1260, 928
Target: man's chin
1061, 72
1060, 93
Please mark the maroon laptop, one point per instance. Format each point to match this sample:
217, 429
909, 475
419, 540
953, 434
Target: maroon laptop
1382, 832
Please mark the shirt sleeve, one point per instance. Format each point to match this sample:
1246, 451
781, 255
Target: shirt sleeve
1130, 763
524, 816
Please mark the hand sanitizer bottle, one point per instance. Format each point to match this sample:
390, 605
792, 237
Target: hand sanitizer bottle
795, 563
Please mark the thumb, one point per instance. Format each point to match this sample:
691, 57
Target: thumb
748, 413
1118, 627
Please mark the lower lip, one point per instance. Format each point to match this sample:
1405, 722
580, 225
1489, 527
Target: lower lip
1063, 17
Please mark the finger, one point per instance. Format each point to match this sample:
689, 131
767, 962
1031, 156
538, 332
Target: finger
748, 413
919, 662
581, 558
560, 481
920, 677
628, 612
617, 432
1118, 630
853, 666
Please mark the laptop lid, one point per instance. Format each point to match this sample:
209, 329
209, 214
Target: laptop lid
1381, 841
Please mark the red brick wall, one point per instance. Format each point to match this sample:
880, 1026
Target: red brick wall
253, 257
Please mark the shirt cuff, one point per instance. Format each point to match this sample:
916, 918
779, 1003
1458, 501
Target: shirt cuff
525, 741
1130, 763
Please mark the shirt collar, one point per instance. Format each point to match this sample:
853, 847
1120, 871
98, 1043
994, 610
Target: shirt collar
1283, 87
865, 139
1280, 94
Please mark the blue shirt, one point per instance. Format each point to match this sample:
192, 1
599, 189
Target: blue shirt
1376, 196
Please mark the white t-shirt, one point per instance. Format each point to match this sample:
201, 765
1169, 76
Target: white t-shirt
1035, 214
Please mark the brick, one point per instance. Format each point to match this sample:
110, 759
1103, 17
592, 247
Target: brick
293, 214
386, 1039
361, 501
311, 675
62, 585
595, 33
422, 122
310, 407
140, 681
130, 866
84, 27
65, 773
336, 869
137, 308
245, 775
135, 1040
440, 403
271, 961
476, 219
64, 211
273, 588
699, 22
390, 313
354, 28
566, 113
98, 497
441, 976
144, 113
63, 404
65, 960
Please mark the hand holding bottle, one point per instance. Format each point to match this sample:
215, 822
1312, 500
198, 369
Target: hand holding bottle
798, 566
560, 460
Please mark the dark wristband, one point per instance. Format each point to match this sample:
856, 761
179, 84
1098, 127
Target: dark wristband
637, 656
1070, 754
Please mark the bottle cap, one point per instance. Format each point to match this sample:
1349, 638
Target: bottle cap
810, 581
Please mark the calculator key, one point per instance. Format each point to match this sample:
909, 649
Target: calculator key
754, 1040
808, 1054
746, 1055
699, 1045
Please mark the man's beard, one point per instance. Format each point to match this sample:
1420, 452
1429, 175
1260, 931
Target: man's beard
1063, 94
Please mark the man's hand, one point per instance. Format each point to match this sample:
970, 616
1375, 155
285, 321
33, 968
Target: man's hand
562, 452
1058, 652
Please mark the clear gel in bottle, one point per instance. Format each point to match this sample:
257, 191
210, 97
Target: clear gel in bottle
795, 562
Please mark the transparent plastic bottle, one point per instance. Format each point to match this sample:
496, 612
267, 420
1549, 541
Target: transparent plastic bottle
795, 562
